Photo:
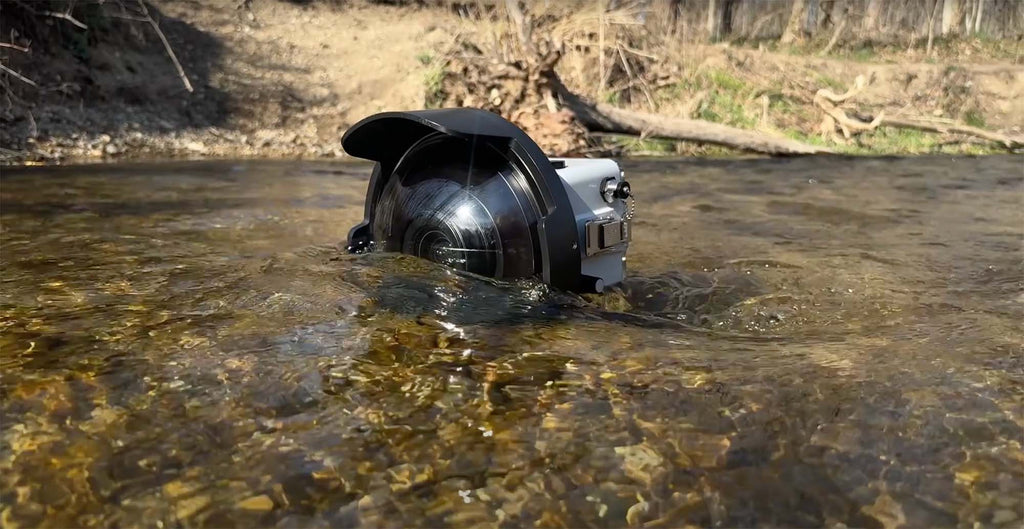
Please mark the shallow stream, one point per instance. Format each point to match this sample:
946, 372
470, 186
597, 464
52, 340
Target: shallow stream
802, 342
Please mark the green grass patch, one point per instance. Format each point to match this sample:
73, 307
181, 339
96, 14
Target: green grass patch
974, 118
863, 54
611, 97
726, 108
425, 58
830, 82
707, 79
780, 103
433, 86
725, 81
901, 140
810, 139
725, 101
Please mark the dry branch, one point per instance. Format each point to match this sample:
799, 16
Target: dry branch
830, 103
521, 21
167, 45
762, 21
18, 76
924, 124
65, 16
14, 47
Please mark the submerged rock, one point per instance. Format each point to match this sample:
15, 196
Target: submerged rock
642, 463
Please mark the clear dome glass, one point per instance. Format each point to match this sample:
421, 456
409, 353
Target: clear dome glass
461, 205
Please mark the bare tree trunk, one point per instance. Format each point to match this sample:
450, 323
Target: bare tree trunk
725, 18
870, 21
670, 10
835, 37
931, 26
607, 118
950, 8
600, 48
977, 16
712, 23
791, 33
825, 15
810, 24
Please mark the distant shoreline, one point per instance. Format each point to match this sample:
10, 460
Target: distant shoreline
286, 83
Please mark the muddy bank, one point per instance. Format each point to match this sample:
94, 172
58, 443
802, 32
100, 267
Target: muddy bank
286, 80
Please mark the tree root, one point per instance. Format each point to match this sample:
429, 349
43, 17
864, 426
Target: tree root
830, 103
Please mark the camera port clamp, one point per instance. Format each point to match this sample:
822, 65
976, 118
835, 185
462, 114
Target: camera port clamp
606, 234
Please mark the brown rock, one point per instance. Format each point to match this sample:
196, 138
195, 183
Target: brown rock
256, 503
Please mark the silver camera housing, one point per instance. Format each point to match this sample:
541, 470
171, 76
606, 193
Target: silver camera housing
466, 188
603, 216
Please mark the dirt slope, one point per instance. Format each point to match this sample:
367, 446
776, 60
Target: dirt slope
287, 80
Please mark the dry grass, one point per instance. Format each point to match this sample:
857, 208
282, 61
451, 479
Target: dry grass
610, 56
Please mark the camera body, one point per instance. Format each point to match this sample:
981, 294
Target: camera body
602, 205
466, 188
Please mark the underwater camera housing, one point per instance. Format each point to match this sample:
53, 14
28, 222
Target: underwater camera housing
466, 188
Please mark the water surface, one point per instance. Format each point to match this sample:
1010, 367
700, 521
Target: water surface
805, 342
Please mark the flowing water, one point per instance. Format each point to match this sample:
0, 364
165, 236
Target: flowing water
805, 342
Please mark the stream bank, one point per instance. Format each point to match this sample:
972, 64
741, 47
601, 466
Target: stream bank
284, 81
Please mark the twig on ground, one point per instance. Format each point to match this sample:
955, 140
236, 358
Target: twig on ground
65, 16
1010, 142
13, 47
18, 76
640, 79
635, 51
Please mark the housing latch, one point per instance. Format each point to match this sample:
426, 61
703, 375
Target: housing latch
605, 234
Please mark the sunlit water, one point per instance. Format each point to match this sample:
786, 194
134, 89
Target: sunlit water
807, 342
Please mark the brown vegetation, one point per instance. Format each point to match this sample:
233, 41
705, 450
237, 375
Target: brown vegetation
635, 59
713, 72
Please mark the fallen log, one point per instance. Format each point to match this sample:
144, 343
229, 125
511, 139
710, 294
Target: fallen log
602, 117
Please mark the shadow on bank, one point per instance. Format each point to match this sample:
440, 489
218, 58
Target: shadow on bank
95, 70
